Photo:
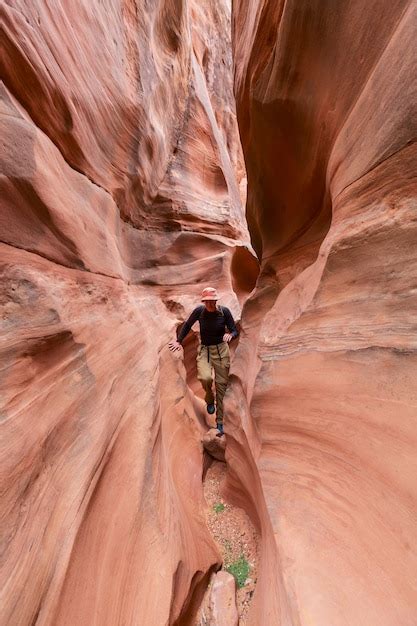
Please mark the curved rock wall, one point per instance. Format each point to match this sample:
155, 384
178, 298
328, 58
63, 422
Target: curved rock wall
122, 187
326, 99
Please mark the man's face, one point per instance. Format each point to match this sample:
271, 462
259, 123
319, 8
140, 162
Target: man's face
210, 305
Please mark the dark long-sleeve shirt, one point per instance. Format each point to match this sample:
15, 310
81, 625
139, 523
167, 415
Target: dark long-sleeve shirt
212, 325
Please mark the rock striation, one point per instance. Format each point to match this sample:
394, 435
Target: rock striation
122, 188
122, 191
325, 374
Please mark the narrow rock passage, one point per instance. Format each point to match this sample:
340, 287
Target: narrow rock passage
237, 541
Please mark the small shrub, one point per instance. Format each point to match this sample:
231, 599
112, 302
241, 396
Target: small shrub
240, 570
218, 507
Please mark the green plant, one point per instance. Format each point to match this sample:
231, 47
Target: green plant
240, 570
218, 507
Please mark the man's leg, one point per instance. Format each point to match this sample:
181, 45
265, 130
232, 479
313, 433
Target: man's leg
221, 364
204, 374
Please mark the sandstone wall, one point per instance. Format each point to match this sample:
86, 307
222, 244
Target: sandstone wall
326, 99
122, 187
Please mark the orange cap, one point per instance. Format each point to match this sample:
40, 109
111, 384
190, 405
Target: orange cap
209, 293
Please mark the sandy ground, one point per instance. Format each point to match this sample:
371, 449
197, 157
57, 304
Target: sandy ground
234, 534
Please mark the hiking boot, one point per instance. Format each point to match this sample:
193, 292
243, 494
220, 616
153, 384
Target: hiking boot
220, 429
211, 408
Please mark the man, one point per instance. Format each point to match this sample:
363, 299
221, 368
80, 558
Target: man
213, 352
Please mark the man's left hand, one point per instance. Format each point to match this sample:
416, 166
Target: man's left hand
227, 337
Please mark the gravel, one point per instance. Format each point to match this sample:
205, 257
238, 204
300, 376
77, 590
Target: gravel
233, 532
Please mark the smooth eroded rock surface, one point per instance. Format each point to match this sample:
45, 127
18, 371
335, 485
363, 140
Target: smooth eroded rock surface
223, 611
214, 445
122, 188
325, 374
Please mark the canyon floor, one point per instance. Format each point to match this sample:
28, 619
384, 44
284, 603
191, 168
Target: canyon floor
235, 537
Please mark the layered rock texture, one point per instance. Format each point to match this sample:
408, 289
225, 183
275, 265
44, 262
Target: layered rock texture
122, 188
326, 99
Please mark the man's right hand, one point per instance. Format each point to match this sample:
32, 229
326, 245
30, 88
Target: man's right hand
174, 346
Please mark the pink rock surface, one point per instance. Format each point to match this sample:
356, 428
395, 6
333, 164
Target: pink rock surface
121, 195
325, 374
214, 445
122, 182
223, 611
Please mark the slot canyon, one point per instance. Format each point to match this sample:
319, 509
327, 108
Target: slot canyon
150, 148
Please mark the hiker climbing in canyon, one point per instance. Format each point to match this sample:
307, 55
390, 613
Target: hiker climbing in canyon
213, 352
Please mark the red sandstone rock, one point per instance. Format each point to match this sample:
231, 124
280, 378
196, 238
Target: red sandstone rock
325, 374
214, 445
223, 611
122, 174
121, 194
